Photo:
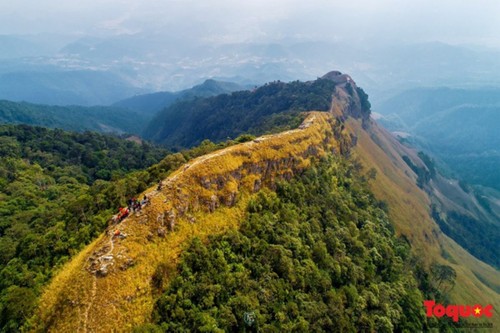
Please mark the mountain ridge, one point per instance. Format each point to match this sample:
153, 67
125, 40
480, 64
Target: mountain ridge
307, 141
205, 197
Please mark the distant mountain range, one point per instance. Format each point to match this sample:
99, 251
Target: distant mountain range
149, 104
102, 70
130, 115
458, 126
68, 87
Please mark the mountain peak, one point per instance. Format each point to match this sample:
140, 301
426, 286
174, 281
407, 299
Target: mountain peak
338, 77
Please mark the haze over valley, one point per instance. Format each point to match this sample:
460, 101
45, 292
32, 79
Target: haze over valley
259, 166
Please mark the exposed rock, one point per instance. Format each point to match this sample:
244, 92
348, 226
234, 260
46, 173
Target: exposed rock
221, 182
102, 271
231, 199
312, 150
205, 182
159, 218
257, 185
213, 204
161, 232
354, 139
287, 175
128, 263
236, 175
170, 219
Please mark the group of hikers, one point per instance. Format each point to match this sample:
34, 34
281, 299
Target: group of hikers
133, 205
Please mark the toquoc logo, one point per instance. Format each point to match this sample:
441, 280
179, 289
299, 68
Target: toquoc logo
457, 311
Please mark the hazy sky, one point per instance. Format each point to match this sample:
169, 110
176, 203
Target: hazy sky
218, 20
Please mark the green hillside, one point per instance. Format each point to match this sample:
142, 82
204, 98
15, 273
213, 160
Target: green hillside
58, 191
274, 105
72, 118
150, 104
276, 233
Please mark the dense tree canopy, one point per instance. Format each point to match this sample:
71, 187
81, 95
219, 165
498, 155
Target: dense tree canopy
73, 118
317, 255
272, 106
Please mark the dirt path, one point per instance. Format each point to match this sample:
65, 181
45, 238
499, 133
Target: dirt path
227, 150
93, 293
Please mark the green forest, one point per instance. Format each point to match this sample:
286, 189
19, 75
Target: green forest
103, 119
58, 191
317, 255
470, 233
273, 106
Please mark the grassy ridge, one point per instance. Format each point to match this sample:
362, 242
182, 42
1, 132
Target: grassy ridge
125, 297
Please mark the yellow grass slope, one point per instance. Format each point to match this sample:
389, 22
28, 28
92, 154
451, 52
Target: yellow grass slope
108, 286
409, 209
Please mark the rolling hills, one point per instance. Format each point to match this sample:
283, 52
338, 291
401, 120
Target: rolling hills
150, 104
72, 118
130, 116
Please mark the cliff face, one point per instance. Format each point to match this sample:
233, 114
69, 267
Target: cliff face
348, 99
109, 285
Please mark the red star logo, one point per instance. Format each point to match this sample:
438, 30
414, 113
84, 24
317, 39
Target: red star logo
477, 311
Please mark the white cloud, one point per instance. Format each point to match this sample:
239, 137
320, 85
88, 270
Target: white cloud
225, 20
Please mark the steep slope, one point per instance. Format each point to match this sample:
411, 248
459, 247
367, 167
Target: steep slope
109, 285
458, 128
111, 278
409, 208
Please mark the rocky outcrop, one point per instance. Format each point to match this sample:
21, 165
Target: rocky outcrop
348, 99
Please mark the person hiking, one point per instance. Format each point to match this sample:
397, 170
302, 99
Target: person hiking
145, 201
123, 213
